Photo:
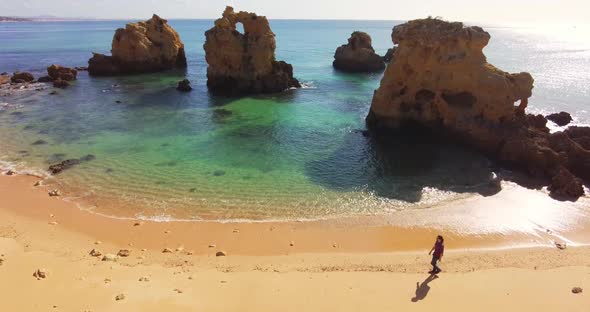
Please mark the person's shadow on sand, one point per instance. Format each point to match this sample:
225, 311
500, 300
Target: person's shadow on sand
423, 289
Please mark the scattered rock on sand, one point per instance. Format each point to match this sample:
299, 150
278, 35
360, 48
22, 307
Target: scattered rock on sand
561, 246
109, 257
144, 279
167, 250
292, 243
140, 223
577, 290
120, 297
1, 261
123, 253
561, 119
184, 86
220, 254
178, 290
95, 253
10, 172
54, 193
38, 183
40, 274
180, 248
212, 245
97, 243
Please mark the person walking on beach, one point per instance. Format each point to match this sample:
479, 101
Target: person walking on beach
439, 250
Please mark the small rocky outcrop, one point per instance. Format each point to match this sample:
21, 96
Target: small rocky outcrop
57, 72
141, 47
184, 86
20, 77
4, 78
45, 79
561, 119
69, 163
358, 55
439, 78
62, 84
244, 63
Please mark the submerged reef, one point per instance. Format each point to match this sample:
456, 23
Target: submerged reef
244, 63
439, 78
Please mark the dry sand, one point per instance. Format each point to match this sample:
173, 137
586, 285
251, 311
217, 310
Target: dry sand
332, 266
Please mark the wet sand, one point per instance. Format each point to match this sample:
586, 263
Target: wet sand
336, 265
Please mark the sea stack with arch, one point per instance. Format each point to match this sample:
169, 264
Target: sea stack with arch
358, 55
244, 63
439, 78
141, 47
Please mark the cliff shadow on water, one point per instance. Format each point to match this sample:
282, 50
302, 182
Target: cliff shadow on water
401, 164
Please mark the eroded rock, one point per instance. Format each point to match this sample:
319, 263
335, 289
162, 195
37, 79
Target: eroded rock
561, 119
57, 72
184, 86
59, 83
358, 55
577, 290
20, 77
439, 78
109, 258
124, 253
244, 63
95, 253
54, 193
141, 47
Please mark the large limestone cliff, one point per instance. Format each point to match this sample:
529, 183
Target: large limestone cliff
439, 78
244, 63
141, 47
358, 55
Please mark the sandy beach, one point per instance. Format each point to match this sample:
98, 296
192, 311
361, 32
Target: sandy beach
290, 266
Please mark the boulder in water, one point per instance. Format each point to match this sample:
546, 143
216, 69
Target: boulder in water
20, 77
57, 72
184, 86
561, 119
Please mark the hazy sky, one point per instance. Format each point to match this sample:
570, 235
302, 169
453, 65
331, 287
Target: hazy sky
491, 11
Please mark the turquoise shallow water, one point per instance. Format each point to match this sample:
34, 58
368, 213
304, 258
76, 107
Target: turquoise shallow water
300, 154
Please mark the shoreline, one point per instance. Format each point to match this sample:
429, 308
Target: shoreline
361, 234
261, 271
315, 266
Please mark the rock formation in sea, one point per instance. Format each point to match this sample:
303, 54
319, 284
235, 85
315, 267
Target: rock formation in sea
57, 72
358, 55
141, 47
389, 55
244, 63
561, 119
184, 86
439, 78
20, 77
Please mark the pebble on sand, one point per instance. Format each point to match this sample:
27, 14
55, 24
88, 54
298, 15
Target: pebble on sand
167, 250
144, 279
97, 243
180, 248
178, 290
38, 183
292, 243
109, 257
95, 253
212, 245
54, 193
123, 253
120, 297
221, 254
40, 274
561, 246
138, 223
577, 290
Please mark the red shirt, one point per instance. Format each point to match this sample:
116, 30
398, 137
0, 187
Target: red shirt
439, 249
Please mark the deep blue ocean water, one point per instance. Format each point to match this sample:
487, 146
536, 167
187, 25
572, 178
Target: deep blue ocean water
299, 154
